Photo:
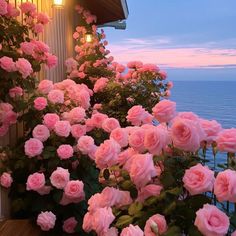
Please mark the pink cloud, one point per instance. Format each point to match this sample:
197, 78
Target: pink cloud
193, 57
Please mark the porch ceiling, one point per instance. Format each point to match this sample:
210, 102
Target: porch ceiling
106, 10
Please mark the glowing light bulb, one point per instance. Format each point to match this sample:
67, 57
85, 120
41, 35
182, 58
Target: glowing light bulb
88, 37
58, 3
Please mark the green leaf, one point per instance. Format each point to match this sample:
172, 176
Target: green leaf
193, 231
124, 221
135, 208
175, 191
170, 208
173, 231
167, 179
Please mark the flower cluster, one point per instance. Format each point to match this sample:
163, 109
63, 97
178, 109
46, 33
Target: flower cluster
20, 58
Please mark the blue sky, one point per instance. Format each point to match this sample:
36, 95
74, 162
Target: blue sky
191, 39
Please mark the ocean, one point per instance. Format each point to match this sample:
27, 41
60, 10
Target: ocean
210, 100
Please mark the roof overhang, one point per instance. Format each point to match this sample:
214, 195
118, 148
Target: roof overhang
106, 10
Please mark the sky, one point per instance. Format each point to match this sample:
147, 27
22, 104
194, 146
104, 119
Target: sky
190, 39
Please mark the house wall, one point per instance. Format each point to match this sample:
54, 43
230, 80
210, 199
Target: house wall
58, 35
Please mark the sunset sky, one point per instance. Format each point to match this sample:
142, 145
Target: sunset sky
191, 39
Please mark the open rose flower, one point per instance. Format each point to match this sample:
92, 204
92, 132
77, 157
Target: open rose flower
45, 86
131, 231
120, 135
74, 190
35, 182
211, 221
226, 140
60, 177
110, 124
69, 225
148, 191
24, 67
33, 147
198, 179
56, 96
46, 220
62, 128
40, 103
136, 115
164, 111
86, 144
41, 132
100, 84
224, 187
6, 180
7, 64
50, 119
65, 151
155, 225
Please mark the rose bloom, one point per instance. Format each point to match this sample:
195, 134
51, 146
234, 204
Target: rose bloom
16, 92
100, 84
120, 135
198, 179
211, 128
156, 139
7, 64
136, 115
50, 119
131, 231
164, 111
35, 181
111, 232
211, 221
86, 144
33, 147
43, 18
3, 7
125, 155
185, 135
75, 190
110, 124
148, 191
41, 132
71, 64
6, 180
224, 187
142, 169
51, 61
40, 103
27, 7
136, 139
56, 96
45, 86
106, 154
226, 140
76, 115
38, 28
24, 67
97, 119
102, 219
62, 128
156, 224
69, 225
46, 220
65, 151
78, 130
27, 48
60, 177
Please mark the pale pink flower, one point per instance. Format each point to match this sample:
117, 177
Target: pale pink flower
148, 191
35, 182
78, 130
211, 221
33, 147
41, 132
136, 139
3, 7
120, 135
7, 64
16, 92
6, 180
86, 144
69, 225
110, 124
56, 96
46, 220
40, 103
27, 48
51, 60
136, 114
45, 86
226, 140
60, 177
38, 28
100, 84
77, 115
62, 128
43, 18
65, 151
131, 231
50, 119
156, 224
74, 190
24, 67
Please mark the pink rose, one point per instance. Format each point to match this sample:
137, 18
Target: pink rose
198, 179
77, 115
211, 221
120, 135
226, 140
102, 219
106, 154
100, 84
131, 231
40, 103
50, 119
156, 139
6, 180
136, 139
38, 28
164, 111
62, 128
188, 115
60, 177
12, 11
96, 202
65, 151
136, 114
33, 147
111, 232
185, 135
148, 191
41, 132
211, 128
78, 130
3, 7
97, 119
134, 64
142, 169
7, 64
24, 67
15, 92
86, 144
43, 18
35, 182
87, 222
27, 7
56, 96
224, 187
124, 156
27, 48
71, 64
110, 124
155, 225
45, 86
46, 220
69, 225
74, 190
51, 60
